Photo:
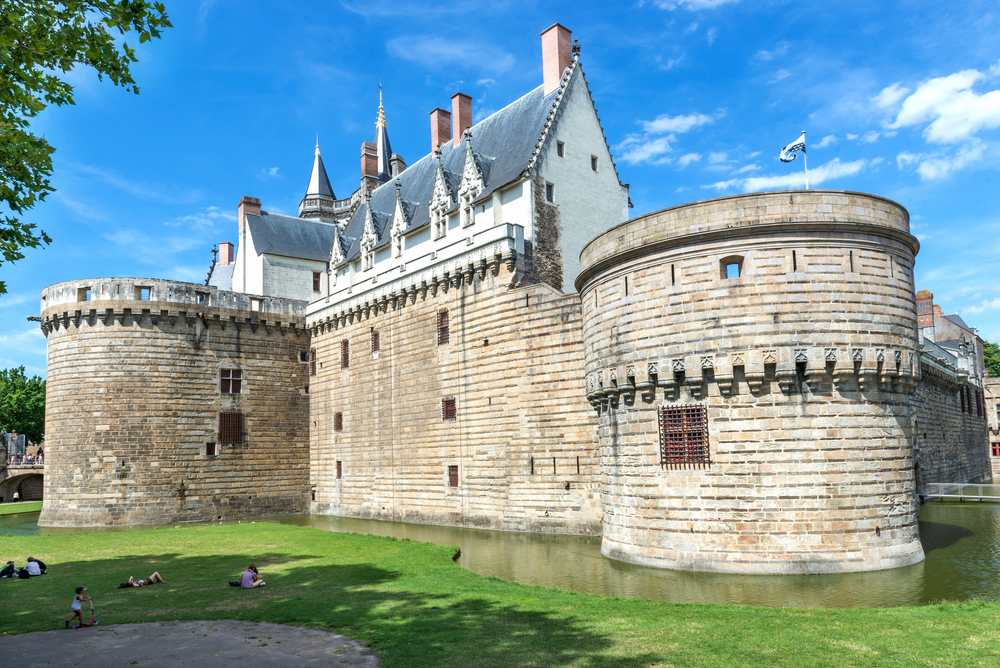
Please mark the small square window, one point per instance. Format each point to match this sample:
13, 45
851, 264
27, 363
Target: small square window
143, 294
231, 381
201, 298
549, 194
593, 162
733, 270
303, 355
338, 422
83, 295
559, 148
448, 410
316, 281
210, 450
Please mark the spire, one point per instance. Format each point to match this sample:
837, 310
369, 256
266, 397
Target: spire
382, 142
319, 184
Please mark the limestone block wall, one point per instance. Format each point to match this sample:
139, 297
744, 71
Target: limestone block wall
134, 398
804, 363
522, 437
949, 445
991, 397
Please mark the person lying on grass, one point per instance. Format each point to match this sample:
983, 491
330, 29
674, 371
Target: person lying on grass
76, 607
132, 582
251, 578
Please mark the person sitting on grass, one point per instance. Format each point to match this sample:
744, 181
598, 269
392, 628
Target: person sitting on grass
77, 604
132, 582
9, 570
33, 567
251, 578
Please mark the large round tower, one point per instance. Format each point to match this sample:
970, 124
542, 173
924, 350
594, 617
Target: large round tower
751, 359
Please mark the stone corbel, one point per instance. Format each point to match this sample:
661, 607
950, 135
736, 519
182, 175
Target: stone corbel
189, 318
223, 322
724, 379
786, 374
172, 317
78, 319
118, 316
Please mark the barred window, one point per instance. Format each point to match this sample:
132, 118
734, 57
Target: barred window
232, 429
230, 381
338, 422
996, 449
683, 435
376, 345
340, 470
312, 361
443, 335
448, 410
345, 354
453, 476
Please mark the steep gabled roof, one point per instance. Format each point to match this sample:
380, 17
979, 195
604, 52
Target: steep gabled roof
221, 275
319, 183
291, 236
957, 319
503, 145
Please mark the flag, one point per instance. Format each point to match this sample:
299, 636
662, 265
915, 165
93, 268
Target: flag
788, 153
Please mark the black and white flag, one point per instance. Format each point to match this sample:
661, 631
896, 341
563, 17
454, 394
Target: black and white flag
788, 153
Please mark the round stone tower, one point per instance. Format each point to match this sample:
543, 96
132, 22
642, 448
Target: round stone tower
751, 359
170, 402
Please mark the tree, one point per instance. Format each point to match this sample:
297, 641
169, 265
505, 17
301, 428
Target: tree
39, 40
991, 353
22, 404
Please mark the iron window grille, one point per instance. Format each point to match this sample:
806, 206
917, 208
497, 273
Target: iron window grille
448, 410
231, 381
443, 333
312, 361
338, 422
345, 354
340, 470
684, 436
376, 344
232, 428
453, 476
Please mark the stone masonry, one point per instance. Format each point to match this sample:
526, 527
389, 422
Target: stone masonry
134, 401
805, 361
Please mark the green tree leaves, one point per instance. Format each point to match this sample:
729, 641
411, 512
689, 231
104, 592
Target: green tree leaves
991, 353
39, 40
22, 404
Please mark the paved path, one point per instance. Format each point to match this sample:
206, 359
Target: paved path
167, 644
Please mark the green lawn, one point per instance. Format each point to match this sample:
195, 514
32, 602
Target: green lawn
20, 507
411, 604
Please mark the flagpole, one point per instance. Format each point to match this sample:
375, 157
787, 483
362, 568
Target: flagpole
805, 159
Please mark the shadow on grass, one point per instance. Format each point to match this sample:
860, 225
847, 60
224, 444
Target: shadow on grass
412, 618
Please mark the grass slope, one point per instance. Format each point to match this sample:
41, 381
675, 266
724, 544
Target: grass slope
21, 507
415, 607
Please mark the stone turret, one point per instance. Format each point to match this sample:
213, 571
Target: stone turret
319, 200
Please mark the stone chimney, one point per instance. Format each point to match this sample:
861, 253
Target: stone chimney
440, 128
248, 205
461, 116
225, 253
557, 54
369, 167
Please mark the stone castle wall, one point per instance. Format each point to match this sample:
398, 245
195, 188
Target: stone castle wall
133, 402
950, 445
804, 362
522, 437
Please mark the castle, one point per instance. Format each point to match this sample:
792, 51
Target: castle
484, 338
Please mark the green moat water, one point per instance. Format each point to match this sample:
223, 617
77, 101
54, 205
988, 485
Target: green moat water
961, 540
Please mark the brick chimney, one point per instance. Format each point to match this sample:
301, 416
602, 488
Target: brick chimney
557, 54
440, 128
248, 205
461, 116
225, 253
369, 166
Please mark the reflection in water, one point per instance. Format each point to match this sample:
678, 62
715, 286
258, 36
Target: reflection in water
962, 543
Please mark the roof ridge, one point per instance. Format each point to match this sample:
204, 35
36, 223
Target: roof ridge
550, 119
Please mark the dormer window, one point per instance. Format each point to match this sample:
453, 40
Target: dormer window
368, 260
468, 217
440, 224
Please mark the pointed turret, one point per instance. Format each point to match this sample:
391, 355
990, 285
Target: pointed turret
382, 142
319, 199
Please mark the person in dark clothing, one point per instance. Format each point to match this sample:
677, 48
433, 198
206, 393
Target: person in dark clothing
9, 570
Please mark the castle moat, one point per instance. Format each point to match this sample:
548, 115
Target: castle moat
961, 541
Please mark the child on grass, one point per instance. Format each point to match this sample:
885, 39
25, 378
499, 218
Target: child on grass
77, 606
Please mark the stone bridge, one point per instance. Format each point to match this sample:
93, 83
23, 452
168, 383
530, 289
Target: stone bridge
26, 478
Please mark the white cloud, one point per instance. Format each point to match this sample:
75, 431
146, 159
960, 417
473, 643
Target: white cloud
851, 137
796, 179
688, 158
877, 161
890, 97
8, 299
779, 75
30, 340
940, 166
825, 141
433, 52
485, 82
748, 168
270, 171
753, 155
871, 137
204, 219
905, 159
691, 28
638, 149
716, 158
121, 183
954, 110
984, 306
666, 123
995, 69
710, 35
669, 64
780, 49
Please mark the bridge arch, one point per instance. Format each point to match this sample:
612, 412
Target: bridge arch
28, 483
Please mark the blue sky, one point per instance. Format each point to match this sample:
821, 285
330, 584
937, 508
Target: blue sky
900, 99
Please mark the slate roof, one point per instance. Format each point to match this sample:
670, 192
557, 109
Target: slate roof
319, 183
503, 145
291, 236
957, 319
937, 352
221, 275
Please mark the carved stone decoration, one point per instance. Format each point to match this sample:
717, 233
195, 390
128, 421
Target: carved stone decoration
857, 355
613, 376
677, 365
630, 371
880, 354
801, 355
897, 356
830, 354
769, 356
707, 362
652, 368
739, 359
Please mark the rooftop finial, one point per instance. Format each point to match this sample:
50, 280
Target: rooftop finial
317, 144
380, 123
576, 47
